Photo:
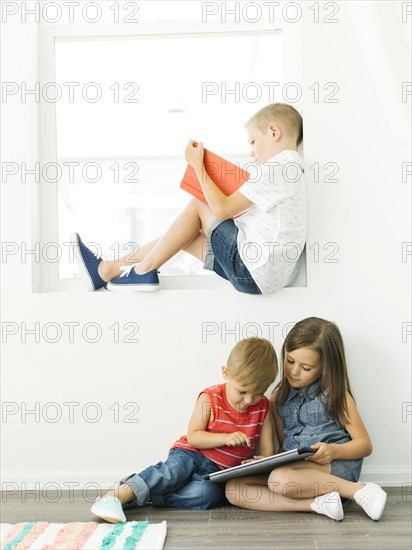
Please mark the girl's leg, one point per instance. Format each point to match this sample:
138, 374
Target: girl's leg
187, 232
308, 480
253, 493
305, 487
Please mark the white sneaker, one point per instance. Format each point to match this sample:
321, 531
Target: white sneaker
328, 505
108, 508
372, 499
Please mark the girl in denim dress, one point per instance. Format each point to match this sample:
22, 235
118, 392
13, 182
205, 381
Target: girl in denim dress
313, 406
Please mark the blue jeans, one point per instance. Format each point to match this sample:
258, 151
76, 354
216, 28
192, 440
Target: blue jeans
223, 257
177, 482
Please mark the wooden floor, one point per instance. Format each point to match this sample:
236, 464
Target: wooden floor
230, 528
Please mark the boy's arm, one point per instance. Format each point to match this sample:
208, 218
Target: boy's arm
199, 438
222, 206
266, 443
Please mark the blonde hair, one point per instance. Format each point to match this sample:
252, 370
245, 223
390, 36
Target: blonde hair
283, 114
253, 362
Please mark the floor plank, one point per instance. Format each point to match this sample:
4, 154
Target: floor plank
231, 528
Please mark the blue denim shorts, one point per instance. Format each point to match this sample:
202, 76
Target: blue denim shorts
347, 469
223, 257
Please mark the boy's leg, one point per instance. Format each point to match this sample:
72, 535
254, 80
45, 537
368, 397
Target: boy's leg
123, 492
178, 483
156, 481
197, 494
187, 232
110, 506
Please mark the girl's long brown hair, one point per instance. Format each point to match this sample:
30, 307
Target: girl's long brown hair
325, 338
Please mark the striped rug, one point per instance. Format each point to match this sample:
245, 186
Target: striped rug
41, 535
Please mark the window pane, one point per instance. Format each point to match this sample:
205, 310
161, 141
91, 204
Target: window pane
153, 94
100, 12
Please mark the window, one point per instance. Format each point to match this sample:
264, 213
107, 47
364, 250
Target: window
128, 104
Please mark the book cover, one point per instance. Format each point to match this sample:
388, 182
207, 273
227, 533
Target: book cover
226, 175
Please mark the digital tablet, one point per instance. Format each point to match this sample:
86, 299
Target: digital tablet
262, 465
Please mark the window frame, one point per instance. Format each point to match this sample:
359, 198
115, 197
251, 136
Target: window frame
46, 273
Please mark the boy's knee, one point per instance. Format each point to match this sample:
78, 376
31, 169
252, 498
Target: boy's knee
212, 494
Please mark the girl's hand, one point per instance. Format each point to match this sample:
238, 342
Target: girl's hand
236, 439
194, 153
323, 455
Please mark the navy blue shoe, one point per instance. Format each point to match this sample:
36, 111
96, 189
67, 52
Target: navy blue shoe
131, 281
88, 263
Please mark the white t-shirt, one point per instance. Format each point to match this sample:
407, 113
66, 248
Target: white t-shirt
272, 232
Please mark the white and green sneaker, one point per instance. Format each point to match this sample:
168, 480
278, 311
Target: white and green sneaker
108, 508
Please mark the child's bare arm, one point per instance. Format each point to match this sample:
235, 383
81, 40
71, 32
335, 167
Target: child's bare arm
222, 206
277, 421
266, 442
199, 438
359, 447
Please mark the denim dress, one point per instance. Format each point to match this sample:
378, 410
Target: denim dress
306, 422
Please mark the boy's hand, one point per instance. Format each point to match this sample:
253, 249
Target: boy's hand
194, 153
323, 455
255, 457
236, 439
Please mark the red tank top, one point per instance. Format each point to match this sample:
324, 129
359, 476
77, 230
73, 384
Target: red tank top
225, 419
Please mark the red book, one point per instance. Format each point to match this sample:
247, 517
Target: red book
227, 176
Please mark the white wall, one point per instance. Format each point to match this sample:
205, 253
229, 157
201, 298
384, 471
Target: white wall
366, 292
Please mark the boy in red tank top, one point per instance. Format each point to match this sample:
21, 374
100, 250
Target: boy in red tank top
227, 422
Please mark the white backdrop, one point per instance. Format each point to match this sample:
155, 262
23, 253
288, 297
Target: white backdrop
185, 336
